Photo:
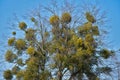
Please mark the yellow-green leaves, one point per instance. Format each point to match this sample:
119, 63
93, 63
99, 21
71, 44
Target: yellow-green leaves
89, 42
11, 41
54, 20
33, 67
87, 26
31, 50
9, 56
33, 60
89, 17
8, 75
22, 25
60, 59
75, 40
66, 17
79, 42
30, 34
89, 38
74, 37
20, 44
79, 53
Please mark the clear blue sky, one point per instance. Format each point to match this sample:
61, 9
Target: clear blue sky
20, 7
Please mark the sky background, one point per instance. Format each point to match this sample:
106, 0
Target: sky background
21, 7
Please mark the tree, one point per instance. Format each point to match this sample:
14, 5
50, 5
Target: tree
56, 48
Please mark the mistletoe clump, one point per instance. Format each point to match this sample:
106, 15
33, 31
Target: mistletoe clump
54, 20
66, 17
31, 50
11, 41
22, 25
20, 44
30, 34
8, 75
10, 56
90, 17
13, 33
